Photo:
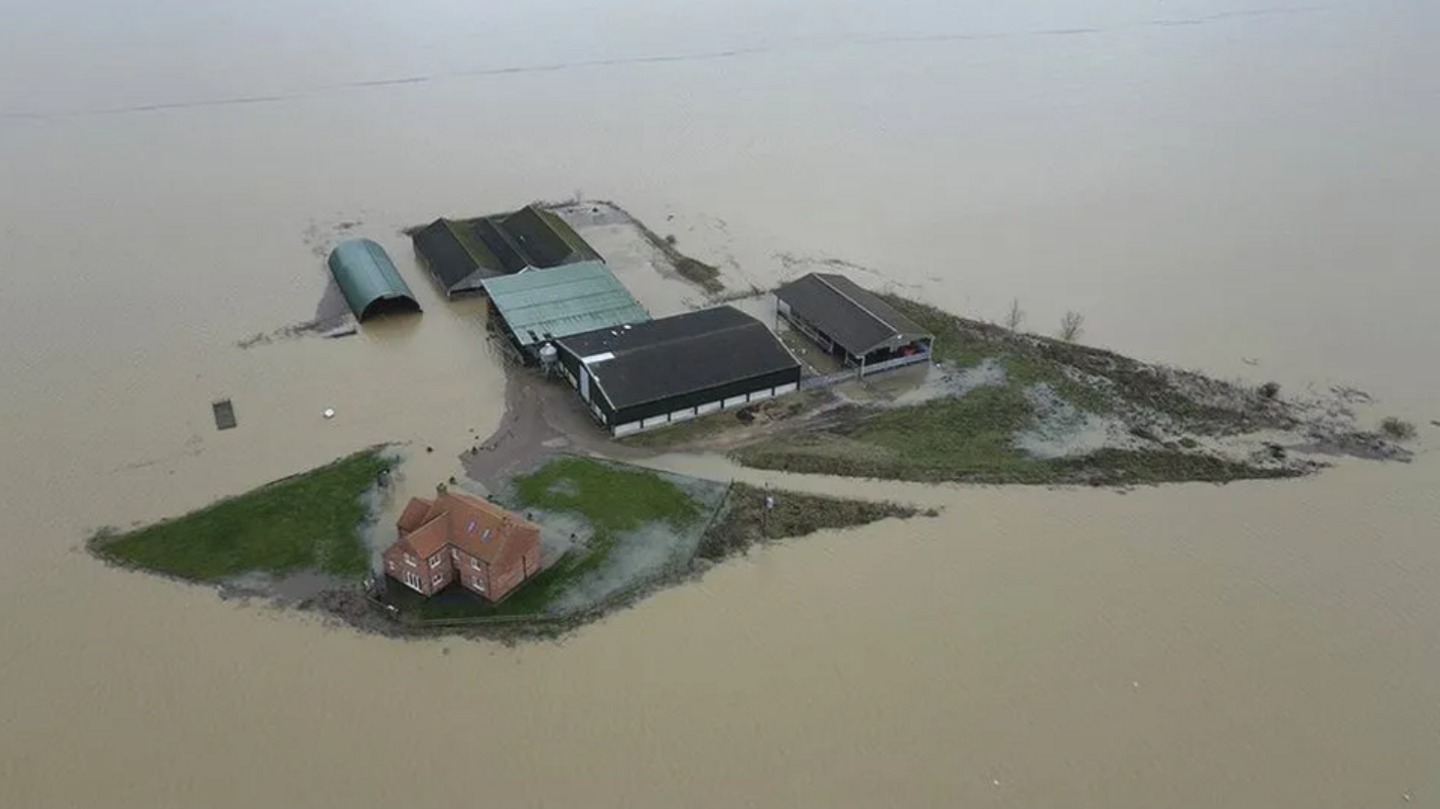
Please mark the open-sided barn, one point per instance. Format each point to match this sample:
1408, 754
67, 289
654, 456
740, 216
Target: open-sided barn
846, 319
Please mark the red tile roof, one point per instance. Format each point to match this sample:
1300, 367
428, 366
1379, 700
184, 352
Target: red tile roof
414, 515
477, 527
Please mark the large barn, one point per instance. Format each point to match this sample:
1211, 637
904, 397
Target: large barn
462, 253
659, 372
852, 322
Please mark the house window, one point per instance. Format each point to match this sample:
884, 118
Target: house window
475, 563
479, 585
436, 579
435, 560
455, 554
413, 580
391, 563
409, 560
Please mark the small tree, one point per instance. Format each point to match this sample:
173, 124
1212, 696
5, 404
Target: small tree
1270, 390
1015, 317
1071, 326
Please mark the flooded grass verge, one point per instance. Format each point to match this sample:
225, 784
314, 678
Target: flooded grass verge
309, 521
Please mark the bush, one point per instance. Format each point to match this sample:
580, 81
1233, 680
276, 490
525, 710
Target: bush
1398, 429
1270, 390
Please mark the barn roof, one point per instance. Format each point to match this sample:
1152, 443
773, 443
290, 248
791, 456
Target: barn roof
677, 355
463, 253
854, 317
541, 305
368, 279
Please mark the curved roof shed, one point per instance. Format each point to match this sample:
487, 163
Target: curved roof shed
369, 280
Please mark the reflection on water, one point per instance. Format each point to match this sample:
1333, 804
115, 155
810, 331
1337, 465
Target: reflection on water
1223, 189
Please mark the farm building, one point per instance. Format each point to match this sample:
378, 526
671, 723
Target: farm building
848, 320
368, 279
533, 307
659, 372
462, 253
457, 537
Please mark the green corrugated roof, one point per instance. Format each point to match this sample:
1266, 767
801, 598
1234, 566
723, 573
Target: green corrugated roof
570, 299
368, 278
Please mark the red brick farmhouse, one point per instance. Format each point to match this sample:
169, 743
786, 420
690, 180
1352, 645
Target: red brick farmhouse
456, 536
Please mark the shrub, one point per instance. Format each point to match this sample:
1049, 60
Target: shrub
1398, 429
1270, 390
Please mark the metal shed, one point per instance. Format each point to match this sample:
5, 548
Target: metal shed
536, 306
369, 280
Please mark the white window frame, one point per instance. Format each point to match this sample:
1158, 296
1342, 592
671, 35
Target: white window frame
475, 563
435, 560
410, 560
436, 579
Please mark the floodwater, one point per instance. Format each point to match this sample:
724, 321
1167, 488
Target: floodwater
1213, 183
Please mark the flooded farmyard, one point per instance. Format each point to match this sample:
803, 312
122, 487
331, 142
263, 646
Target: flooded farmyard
1245, 189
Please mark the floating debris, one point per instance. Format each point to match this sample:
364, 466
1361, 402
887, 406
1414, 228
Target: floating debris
329, 413
224, 414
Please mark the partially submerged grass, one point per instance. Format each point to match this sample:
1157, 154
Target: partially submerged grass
745, 520
308, 521
610, 497
1091, 378
971, 439
1397, 429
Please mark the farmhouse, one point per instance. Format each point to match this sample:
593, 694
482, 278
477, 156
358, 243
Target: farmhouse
462, 253
847, 320
454, 537
534, 307
659, 372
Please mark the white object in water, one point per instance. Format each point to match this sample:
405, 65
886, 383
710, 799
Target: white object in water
329, 413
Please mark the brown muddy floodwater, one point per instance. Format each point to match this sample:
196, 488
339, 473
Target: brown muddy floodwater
1249, 187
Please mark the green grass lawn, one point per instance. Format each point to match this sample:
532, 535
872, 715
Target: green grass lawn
308, 521
611, 498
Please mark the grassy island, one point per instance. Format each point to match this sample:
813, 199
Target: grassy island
309, 521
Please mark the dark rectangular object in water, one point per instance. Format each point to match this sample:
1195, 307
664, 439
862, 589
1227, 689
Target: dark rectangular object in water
224, 414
